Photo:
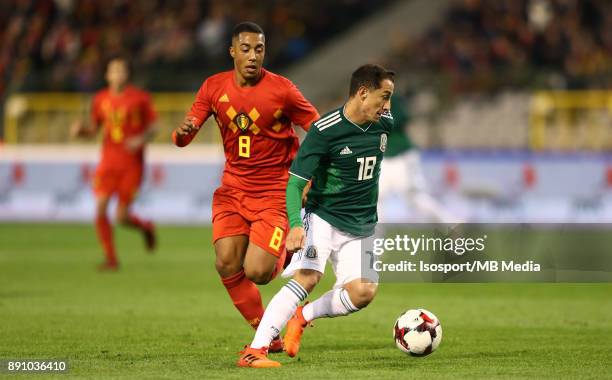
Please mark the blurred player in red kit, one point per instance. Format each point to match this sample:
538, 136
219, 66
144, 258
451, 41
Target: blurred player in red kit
254, 109
125, 114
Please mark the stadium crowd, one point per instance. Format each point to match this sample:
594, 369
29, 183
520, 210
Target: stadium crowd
479, 45
484, 45
63, 44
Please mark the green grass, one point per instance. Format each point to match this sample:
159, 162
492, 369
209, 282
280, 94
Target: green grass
167, 316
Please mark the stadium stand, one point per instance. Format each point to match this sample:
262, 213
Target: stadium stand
492, 87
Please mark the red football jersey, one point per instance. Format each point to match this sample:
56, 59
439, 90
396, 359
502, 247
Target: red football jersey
122, 116
255, 124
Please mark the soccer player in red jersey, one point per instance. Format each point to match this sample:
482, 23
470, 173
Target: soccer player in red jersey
126, 115
254, 109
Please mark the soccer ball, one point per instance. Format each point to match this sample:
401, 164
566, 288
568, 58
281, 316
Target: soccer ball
417, 332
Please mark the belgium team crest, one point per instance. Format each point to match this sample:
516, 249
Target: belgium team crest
243, 121
383, 142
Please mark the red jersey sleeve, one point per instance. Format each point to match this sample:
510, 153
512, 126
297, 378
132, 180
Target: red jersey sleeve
201, 107
200, 110
298, 109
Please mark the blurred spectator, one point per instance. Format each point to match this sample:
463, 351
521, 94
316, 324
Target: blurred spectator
480, 46
59, 45
485, 45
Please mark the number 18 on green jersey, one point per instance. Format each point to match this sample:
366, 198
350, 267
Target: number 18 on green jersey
343, 160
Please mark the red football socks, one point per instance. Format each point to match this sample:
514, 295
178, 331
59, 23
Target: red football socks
105, 235
246, 297
134, 221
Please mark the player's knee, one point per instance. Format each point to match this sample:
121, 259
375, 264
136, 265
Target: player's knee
227, 267
308, 278
362, 293
258, 275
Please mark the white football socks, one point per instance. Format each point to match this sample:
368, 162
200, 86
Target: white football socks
334, 303
280, 309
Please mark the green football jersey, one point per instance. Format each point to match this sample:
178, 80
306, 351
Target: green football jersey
343, 160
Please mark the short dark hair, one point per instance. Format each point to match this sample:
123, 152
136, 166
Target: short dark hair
248, 27
369, 76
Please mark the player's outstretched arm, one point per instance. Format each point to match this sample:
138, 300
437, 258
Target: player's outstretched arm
294, 194
183, 135
80, 129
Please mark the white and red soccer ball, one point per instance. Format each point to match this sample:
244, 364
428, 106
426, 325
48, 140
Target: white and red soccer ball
417, 332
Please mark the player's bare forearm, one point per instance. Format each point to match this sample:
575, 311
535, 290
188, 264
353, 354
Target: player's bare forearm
295, 239
79, 129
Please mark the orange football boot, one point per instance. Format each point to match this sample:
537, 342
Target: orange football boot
295, 329
256, 358
150, 237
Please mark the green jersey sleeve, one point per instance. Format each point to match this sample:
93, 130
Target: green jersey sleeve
293, 200
313, 149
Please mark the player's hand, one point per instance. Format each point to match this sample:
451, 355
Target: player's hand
305, 193
188, 126
77, 129
295, 239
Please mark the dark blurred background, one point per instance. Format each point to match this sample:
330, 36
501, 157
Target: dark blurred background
508, 101
62, 45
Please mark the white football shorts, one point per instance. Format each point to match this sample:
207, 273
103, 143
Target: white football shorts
343, 250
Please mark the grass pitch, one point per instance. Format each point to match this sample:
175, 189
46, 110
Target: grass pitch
167, 316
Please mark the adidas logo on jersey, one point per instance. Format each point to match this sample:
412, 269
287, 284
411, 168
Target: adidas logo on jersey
346, 150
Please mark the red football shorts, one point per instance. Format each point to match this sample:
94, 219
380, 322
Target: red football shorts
261, 218
125, 182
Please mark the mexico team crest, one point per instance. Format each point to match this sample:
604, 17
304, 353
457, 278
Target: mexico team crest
311, 252
242, 121
383, 142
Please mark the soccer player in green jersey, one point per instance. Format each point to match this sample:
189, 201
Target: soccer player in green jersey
341, 154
